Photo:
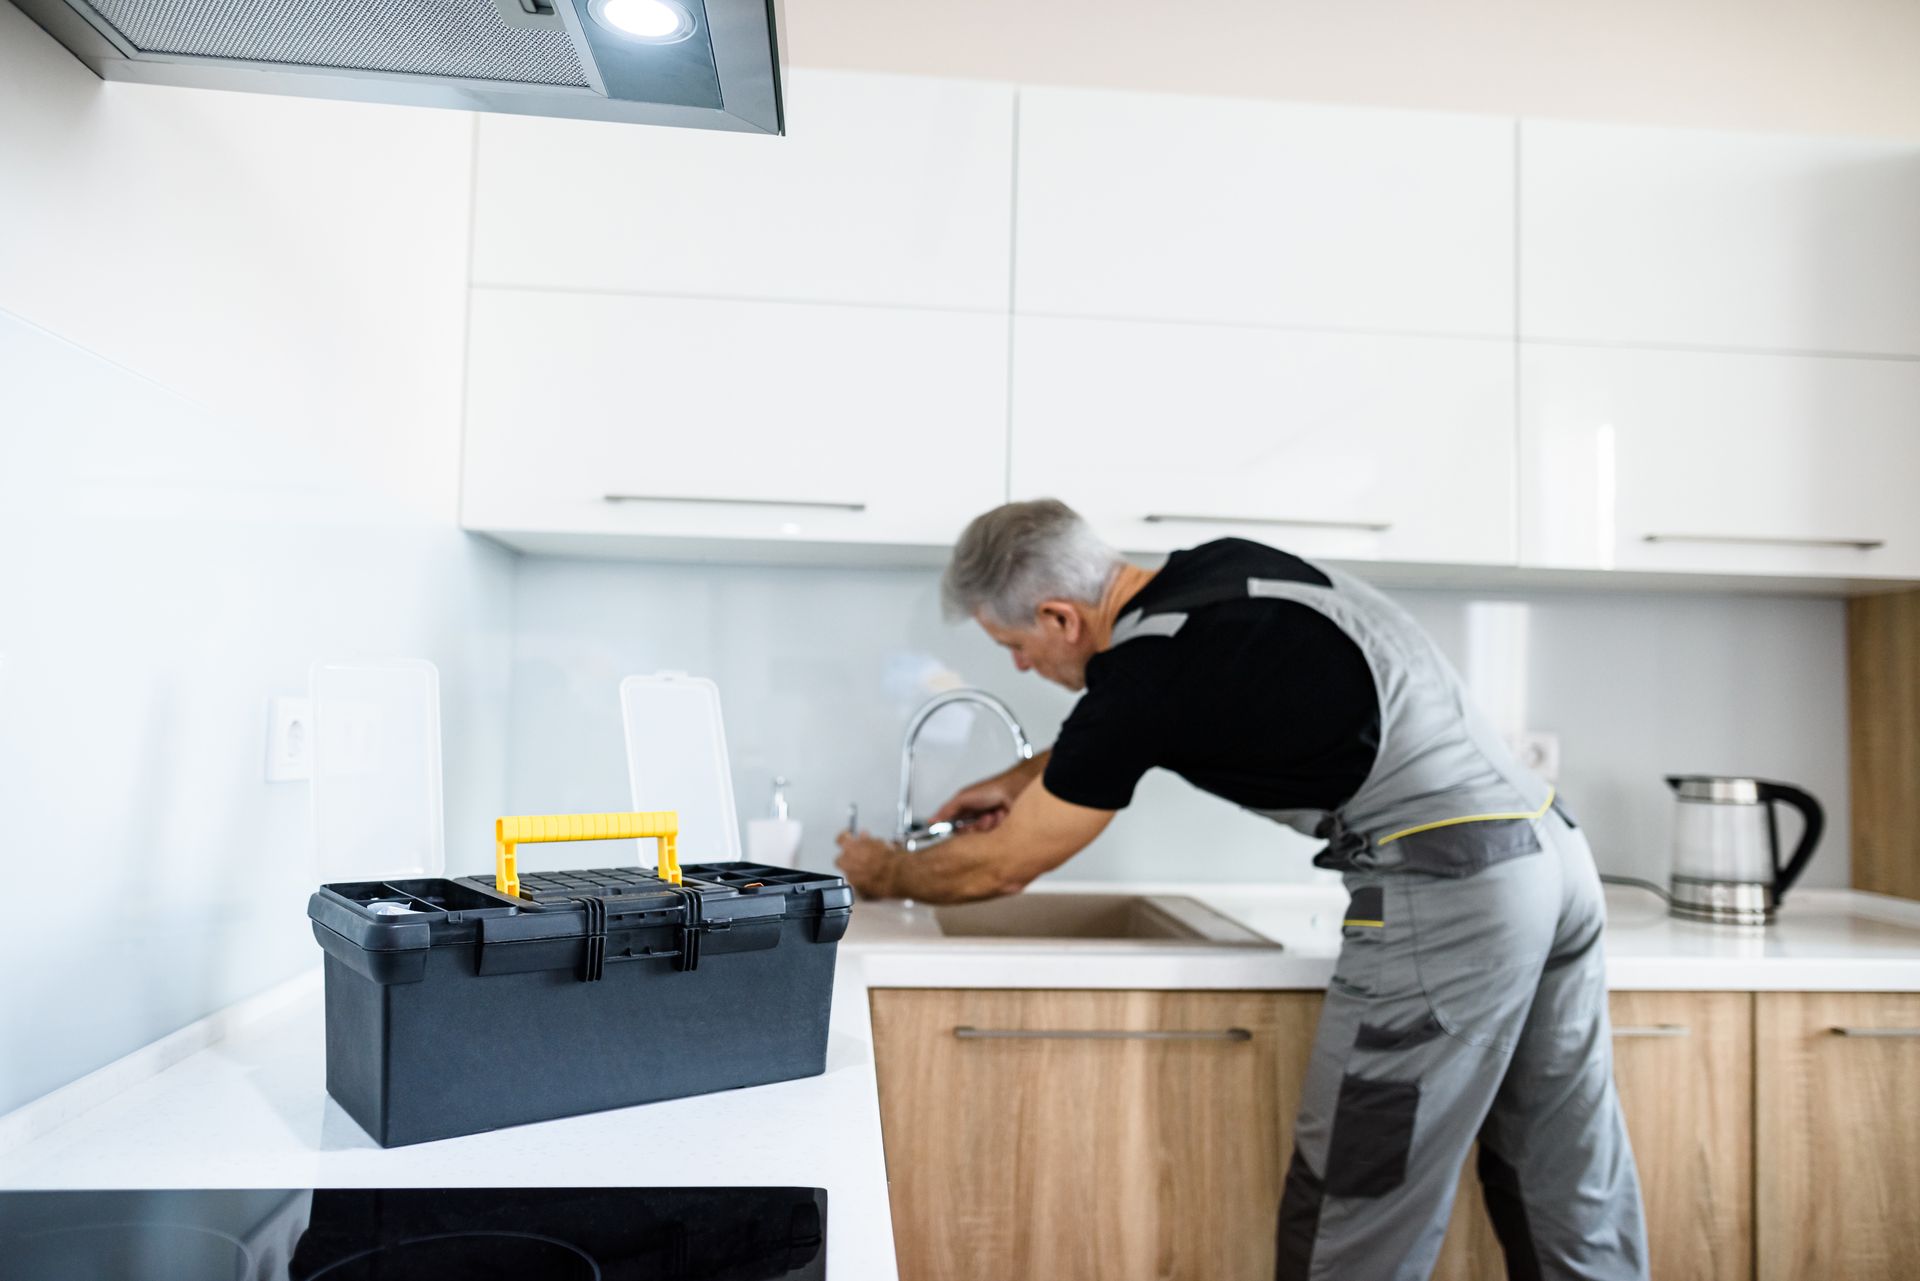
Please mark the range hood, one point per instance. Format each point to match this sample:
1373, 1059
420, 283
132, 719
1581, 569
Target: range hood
705, 64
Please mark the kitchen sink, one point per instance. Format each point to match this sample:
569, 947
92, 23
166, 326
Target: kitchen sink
1149, 918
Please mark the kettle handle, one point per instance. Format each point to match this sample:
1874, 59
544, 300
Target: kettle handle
1816, 822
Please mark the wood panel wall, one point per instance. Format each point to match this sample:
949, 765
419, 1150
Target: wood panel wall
1883, 711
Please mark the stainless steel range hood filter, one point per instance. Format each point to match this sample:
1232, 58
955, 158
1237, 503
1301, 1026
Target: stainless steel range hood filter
466, 39
530, 57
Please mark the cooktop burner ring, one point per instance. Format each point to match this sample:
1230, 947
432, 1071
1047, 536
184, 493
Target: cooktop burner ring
441, 1254
574, 1233
140, 1234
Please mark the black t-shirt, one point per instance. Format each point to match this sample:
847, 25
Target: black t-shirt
1264, 702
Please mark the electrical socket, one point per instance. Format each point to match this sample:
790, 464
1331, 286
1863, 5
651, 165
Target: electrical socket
1539, 751
289, 740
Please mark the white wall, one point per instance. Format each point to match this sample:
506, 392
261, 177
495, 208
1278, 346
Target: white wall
818, 670
1815, 66
230, 344
230, 347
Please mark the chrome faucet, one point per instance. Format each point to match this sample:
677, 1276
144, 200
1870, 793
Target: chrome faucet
918, 836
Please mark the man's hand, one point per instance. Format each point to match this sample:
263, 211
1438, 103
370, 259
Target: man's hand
869, 864
1039, 833
985, 804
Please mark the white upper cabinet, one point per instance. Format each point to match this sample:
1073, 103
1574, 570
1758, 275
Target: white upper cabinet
1349, 446
1293, 323
1152, 206
703, 419
1719, 462
886, 189
1659, 236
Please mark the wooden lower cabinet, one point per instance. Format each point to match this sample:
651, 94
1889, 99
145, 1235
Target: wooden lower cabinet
1110, 1157
1838, 1135
1883, 735
1116, 1157
1682, 1063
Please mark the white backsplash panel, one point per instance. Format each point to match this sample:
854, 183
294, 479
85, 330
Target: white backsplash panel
819, 669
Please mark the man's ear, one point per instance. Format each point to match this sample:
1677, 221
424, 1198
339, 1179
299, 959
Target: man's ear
1059, 616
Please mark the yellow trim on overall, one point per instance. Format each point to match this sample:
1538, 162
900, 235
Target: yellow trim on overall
1469, 818
1374, 924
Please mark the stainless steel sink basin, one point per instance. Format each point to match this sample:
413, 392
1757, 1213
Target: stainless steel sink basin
1140, 918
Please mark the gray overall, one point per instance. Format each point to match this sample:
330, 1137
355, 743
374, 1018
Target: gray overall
1469, 1000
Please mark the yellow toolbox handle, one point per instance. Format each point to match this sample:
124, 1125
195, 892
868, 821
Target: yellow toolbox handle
534, 829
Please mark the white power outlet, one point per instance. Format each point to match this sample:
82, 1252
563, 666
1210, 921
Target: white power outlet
1539, 751
289, 740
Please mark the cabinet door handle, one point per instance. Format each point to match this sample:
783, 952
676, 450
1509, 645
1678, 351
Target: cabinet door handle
1755, 540
734, 502
1097, 1034
1366, 526
1889, 1032
1655, 1030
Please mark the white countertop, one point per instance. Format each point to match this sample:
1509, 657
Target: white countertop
1833, 940
251, 1110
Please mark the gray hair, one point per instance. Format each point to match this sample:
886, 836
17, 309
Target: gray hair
1020, 554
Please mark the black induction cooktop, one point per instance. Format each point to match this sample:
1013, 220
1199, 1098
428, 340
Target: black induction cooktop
416, 1234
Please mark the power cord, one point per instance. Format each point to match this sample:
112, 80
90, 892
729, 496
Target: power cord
1638, 884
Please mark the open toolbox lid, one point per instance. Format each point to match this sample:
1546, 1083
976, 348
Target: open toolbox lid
376, 769
677, 759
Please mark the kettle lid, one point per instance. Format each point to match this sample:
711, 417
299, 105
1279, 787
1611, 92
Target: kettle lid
1716, 789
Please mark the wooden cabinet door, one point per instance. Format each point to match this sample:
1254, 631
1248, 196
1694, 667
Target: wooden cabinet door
1123, 1135
1160, 207
888, 190
1838, 1136
1682, 1062
705, 419
1707, 239
1350, 446
1719, 462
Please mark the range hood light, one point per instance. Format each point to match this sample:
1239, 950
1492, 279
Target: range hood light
648, 21
696, 64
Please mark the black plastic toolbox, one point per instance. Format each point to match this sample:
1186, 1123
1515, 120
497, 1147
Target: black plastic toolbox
453, 1008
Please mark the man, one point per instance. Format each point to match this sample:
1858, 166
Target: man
1469, 999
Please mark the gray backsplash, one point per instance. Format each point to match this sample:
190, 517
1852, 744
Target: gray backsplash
819, 668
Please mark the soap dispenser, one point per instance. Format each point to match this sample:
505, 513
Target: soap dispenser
775, 840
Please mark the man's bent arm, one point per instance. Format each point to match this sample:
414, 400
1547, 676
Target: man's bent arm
987, 798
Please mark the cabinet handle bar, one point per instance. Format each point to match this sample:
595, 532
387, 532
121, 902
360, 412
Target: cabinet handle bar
1756, 540
1097, 1034
1890, 1032
1657, 1029
734, 502
1368, 526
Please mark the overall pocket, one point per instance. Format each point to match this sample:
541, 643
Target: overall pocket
1362, 941
1372, 1134
1480, 943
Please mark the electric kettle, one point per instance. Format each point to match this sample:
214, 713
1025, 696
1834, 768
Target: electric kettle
1726, 847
